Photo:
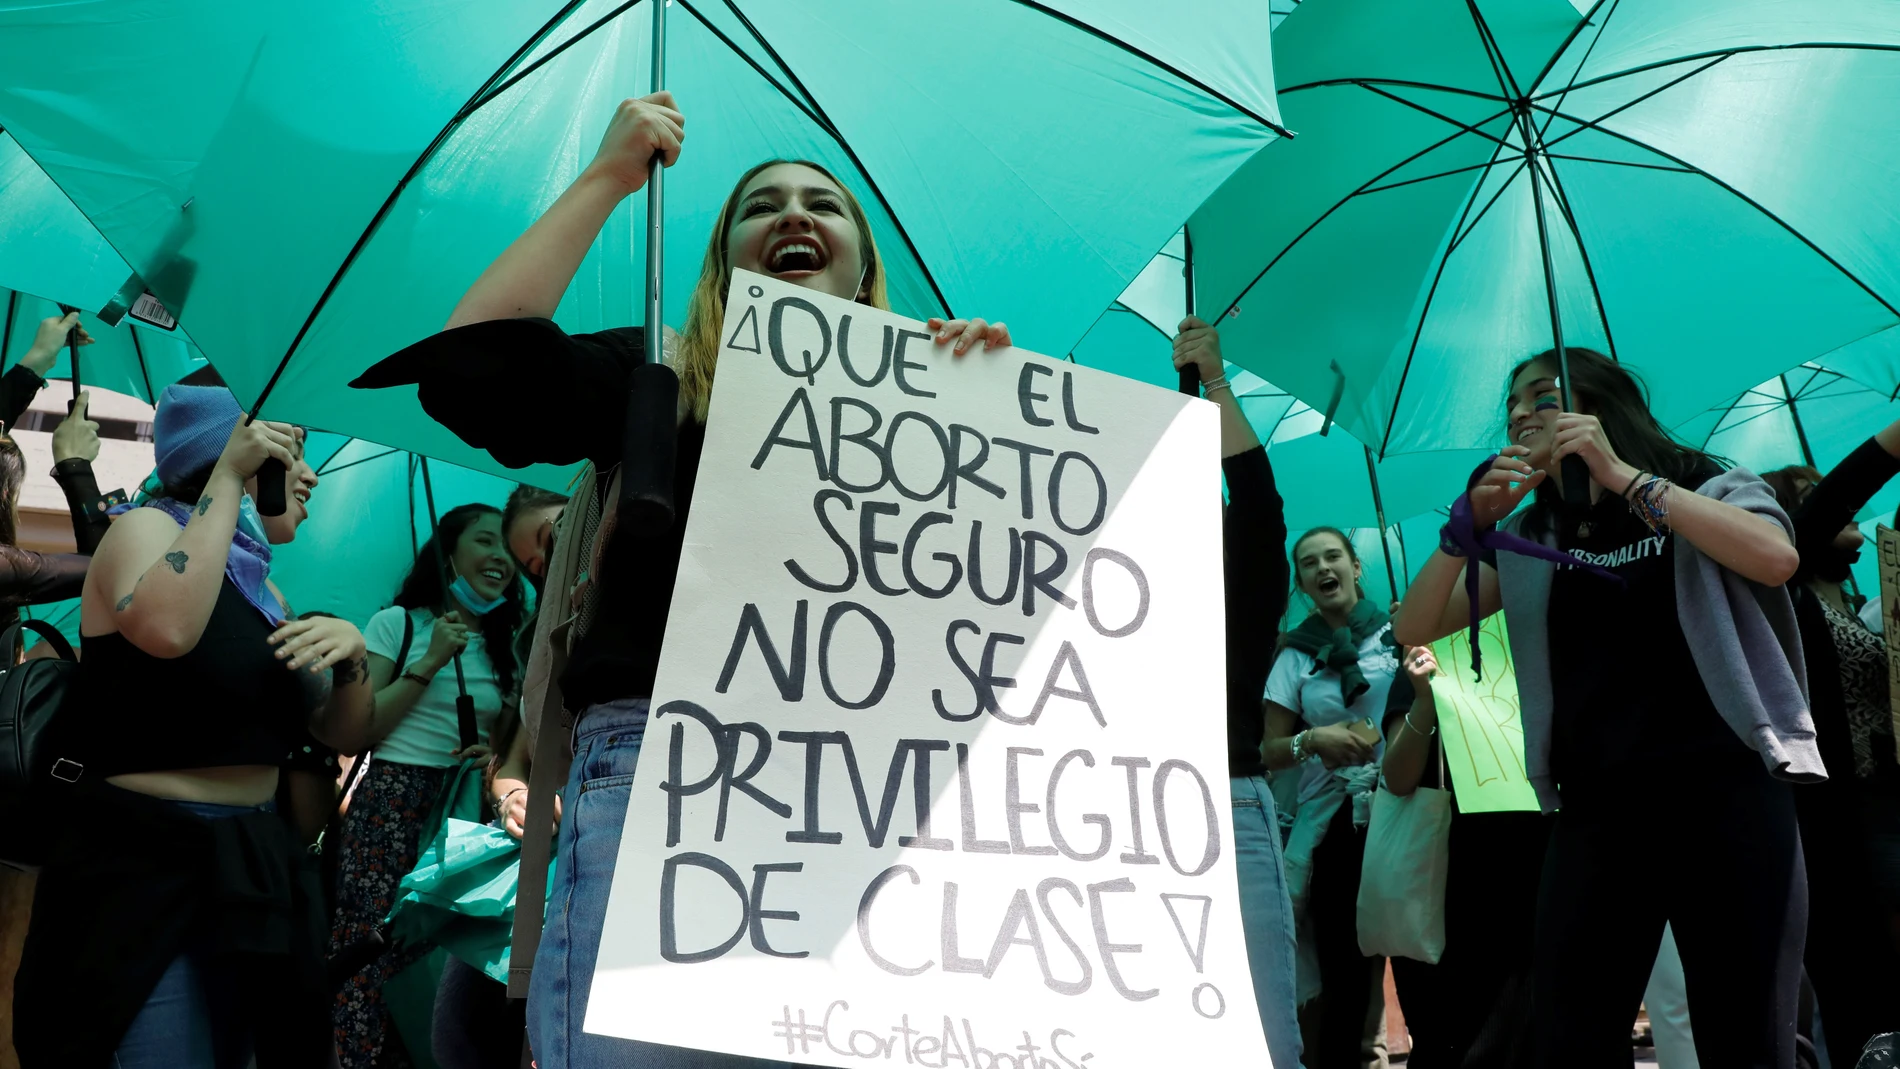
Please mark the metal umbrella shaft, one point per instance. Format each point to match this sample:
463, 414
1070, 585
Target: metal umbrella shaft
1378, 510
656, 245
464, 703
1576, 473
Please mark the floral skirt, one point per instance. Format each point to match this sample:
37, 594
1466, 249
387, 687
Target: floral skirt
380, 839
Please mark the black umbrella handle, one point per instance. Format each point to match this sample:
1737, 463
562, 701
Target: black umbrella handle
270, 498
1576, 485
72, 348
465, 724
1191, 381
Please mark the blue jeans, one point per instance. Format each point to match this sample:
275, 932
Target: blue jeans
191, 1019
1266, 916
594, 807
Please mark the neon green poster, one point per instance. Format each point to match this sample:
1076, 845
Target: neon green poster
1479, 723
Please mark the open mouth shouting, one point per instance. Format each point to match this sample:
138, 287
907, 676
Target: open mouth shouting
796, 257
1327, 585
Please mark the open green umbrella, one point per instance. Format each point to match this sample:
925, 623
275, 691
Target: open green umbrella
329, 179
1704, 191
130, 359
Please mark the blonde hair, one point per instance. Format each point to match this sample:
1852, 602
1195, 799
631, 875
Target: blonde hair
698, 354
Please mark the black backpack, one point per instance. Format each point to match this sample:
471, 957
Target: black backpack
31, 695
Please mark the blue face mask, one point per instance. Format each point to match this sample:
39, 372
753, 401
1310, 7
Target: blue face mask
473, 601
249, 521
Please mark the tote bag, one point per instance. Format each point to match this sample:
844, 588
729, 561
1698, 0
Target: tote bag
1402, 882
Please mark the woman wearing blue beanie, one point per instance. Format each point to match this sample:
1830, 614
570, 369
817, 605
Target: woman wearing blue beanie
175, 899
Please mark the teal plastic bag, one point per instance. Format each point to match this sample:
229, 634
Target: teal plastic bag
461, 895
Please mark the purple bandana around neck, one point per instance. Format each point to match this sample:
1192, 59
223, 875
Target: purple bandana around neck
247, 565
1460, 537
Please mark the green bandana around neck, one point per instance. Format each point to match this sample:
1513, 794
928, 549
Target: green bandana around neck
1339, 649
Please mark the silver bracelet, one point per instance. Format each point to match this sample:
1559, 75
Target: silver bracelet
1414, 727
1218, 384
1299, 747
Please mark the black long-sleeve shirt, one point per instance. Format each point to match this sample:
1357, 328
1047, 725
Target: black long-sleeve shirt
1828, 508
1257, 576
18, 387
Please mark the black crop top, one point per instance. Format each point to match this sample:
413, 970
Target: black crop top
227, 702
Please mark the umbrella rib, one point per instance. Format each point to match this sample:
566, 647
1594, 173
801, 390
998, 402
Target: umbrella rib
1558, 53
552, 53
1458, 238
844, 145
801, 105
1499, 69
1403, 83
415, 168
1418, 331
1154, 60
327, 470
1758, 206
1587, 53
1618, 163
1434, 114
144, 372
1846, 46
1442, 174
1583, 253
1594, 124
6, 333
1297, 238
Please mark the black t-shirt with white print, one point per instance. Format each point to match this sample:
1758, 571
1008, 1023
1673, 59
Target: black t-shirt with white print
1627, 696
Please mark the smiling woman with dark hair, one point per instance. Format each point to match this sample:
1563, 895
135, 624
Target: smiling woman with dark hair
463, 602
1658, 673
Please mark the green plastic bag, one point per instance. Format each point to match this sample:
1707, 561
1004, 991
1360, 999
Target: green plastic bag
461, 895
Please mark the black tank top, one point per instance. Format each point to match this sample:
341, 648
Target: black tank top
227, 702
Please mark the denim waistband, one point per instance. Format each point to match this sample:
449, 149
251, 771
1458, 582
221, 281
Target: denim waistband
626, 716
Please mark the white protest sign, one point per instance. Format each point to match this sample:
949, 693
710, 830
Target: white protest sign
935, 772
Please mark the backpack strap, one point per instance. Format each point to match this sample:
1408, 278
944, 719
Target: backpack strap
408, 637
10, 640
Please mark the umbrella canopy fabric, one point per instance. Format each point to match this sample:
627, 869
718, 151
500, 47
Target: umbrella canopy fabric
994, 184
1708, 188
130, 359
46, 244
1811, 415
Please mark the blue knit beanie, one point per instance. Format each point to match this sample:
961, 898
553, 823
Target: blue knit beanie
190, 430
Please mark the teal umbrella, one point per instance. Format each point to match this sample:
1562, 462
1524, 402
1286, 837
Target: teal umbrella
1701, 190
304, 223
131, 359
1811, 415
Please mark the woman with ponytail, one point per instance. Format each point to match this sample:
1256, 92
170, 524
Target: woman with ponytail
1324, 698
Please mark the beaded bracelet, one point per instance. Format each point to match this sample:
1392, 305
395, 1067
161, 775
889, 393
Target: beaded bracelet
1207, 388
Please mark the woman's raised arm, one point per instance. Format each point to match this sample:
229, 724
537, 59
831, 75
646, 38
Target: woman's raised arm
530, 276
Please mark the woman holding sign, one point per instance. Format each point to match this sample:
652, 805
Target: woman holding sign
1325, 694
609, 572
1850, 825
1658, 673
